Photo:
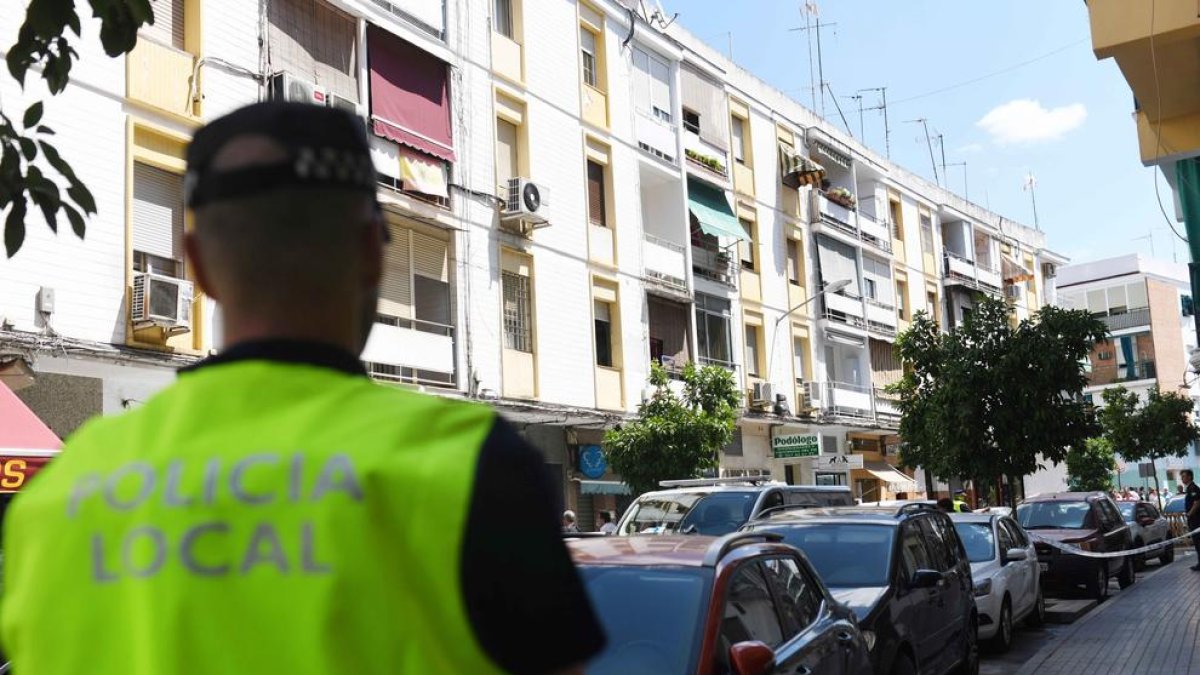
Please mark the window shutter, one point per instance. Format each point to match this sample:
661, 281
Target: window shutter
429, 257
157, 215
168, 23
395, 291
314, 41
506, 151
641, 80
660, 85
596, 213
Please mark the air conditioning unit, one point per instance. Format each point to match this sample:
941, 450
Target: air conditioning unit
287, 87
525, 205
1013, 291
763, 393
343, 103
161, 301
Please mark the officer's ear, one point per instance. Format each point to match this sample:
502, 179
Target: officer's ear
198, 265
375, 237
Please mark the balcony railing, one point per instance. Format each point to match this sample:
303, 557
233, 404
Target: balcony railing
411, 351
709, 361
1134, 318
665, 263
834, 214
1129, 372
881, 318
715, 263
843, 308
860, 402
874, 232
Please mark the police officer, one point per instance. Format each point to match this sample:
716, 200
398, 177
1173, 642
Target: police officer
1191, 509
961, 506
274, 511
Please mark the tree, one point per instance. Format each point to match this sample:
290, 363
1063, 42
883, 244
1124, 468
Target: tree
989, 400
1090, 466
1161, 428
676, 435
42, 45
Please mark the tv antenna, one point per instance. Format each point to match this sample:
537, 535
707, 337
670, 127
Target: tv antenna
812, 28
882, 105
1030, 186
924, 122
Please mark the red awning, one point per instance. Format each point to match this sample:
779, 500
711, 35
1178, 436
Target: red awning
20, 428
410, 95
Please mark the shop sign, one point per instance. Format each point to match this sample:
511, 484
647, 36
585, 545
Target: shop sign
592, 462
838, 462
796, 445
15, 472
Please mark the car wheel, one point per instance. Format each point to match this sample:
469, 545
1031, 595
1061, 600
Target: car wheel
1139, 561
1004, 629
903, 665
1037, 618
1097, 585
1168, 555
970, 660
1126, 578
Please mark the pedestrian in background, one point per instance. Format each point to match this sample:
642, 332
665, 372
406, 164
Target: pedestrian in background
1191, 506
568, 522
607, 526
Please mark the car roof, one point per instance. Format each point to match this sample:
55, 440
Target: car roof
974, 517
761, 487
1063, 496
881, 515
670, 550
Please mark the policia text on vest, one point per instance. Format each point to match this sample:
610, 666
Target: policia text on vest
255, 480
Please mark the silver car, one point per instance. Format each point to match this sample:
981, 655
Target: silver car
1147, 526
1004, 567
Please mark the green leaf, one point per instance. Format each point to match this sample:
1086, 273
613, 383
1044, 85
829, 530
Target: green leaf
77, 223
33, 114
81, 196
60, 165
28, 148
14, 228
45, 130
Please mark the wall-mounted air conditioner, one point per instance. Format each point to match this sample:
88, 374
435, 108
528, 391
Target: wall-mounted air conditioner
287, 87
524, 205
763, 393
161, 301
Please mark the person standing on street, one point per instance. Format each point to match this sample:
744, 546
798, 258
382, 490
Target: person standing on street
274, 511
607, 526
1191, 506
569, 523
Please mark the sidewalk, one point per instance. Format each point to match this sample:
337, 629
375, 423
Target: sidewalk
1153, 627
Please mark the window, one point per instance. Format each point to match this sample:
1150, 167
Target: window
168, 24
801, 597
752, 350
877, 279
896, 213
604, 333
749, 610
691, 121
794, 263
931, 304
869, 288
913, 554
156, 221
713, 330
587, 49
518, 318
597, 214
502, 18
942, 542
747, 247
800, 358
927, 232
739, 139
902, 300
314, 41
652, 85
507, 152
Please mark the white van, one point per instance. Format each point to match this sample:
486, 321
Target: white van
717, 506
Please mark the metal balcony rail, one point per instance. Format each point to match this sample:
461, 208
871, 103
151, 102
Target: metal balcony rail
861, 402
409, 375
1125, 372
715, 263
1134, 318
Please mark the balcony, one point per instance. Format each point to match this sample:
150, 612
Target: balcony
843, 399
1136, 318
874, 232
507, 60
887, 409
655, 136
601, 245
837, 216
988, 278
1128, 372
881, 318
706, 161
844, 309
665, 263
411, 351
160, 77
715, 263
962, 271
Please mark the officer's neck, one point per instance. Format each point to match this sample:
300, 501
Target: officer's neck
314, 326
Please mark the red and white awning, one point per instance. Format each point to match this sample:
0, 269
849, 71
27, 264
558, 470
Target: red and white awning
26, 443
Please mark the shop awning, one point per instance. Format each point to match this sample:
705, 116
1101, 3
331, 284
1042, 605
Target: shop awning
888, 474
21, 431
603, 487
1013, 272
711, 208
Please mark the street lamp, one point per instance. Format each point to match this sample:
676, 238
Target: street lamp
832, 287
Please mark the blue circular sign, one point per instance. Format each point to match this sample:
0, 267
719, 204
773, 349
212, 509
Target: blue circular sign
592, 462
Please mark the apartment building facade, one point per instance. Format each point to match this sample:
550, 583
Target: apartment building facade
575, 190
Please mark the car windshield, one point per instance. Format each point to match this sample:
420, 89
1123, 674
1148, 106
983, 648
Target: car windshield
710, 513
1052, 515
846, 555
1127, 510
978, 539
652, 618
1175, 505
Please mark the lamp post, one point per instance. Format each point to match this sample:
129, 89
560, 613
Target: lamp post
832, 287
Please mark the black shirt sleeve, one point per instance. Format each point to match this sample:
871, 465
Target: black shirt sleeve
524, 599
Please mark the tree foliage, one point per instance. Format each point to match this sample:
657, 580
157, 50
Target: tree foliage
44, 46
676, 435
989, 399
1161, 428
1090, 465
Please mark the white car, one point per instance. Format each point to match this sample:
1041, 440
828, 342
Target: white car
1004, 567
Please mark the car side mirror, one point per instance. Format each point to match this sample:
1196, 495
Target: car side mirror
926, 578
1014, 554
751, 658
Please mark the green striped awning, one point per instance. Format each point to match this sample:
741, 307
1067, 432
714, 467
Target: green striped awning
711, 209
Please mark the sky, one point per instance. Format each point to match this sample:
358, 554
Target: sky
1065, 118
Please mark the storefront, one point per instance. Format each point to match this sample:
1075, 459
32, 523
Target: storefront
879, 478
26, 445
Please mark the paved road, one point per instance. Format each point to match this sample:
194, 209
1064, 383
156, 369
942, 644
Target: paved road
1148, 629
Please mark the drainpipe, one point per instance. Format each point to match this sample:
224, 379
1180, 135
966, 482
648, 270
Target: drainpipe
1187, 181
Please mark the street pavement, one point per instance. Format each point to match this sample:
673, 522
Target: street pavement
1151, 628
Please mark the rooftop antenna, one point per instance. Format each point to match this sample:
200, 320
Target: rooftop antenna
924, 122
1030, 186
1148, 236
839, 109
811, 28
966, 188
887, 129
862, 134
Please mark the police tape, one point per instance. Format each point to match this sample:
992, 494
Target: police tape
1075, 550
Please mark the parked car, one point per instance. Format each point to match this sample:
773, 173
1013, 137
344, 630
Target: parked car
905, 574
718, 506
1004, 567
1147, 526
1175, 504
1089, 520
744, 604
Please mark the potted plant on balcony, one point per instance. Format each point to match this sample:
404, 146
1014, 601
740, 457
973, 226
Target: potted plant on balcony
711, 163
842, 197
